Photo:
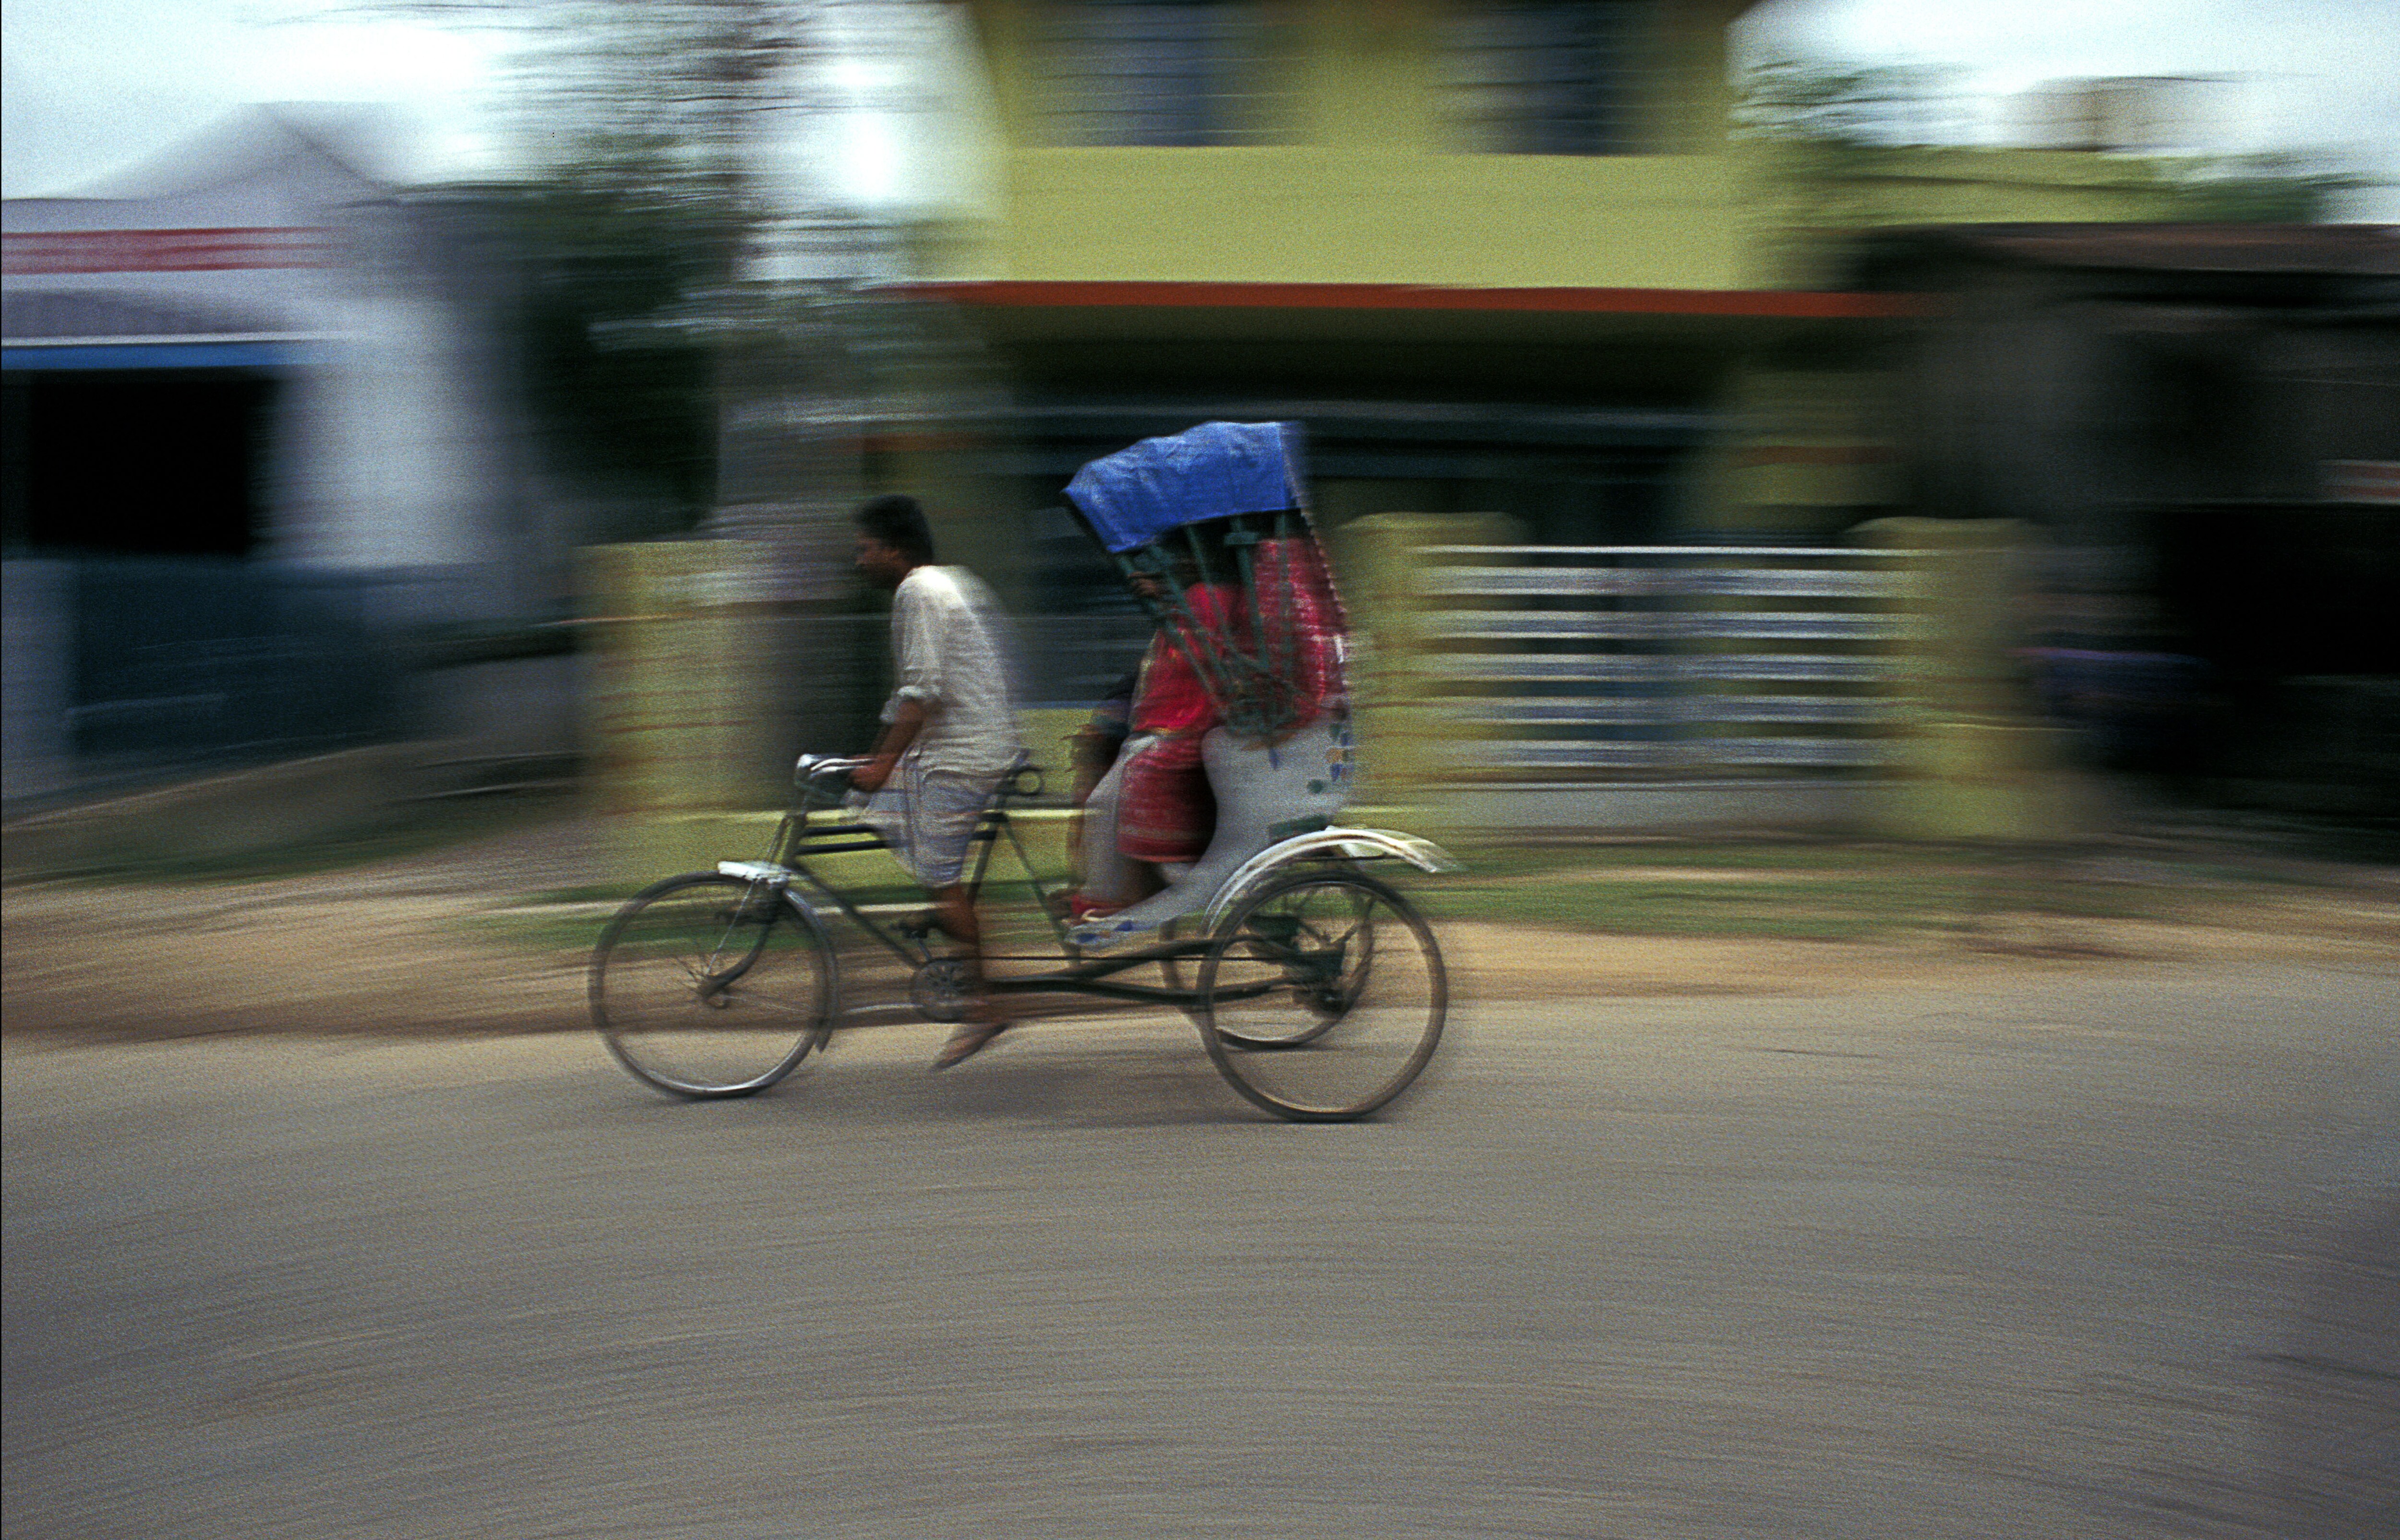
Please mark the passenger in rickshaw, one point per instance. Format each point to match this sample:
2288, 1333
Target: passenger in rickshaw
1151, 812
1189, 796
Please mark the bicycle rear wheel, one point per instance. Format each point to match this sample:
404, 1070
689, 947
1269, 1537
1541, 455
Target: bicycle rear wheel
713, 986
1324, 996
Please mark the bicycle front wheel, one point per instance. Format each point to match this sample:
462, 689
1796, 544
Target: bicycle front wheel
713, 986
1323, 996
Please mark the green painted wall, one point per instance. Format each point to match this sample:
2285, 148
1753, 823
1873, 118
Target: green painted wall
1327, 214
1360, 176
1367, 184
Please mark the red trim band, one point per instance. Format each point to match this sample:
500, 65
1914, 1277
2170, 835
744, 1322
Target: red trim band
164, 250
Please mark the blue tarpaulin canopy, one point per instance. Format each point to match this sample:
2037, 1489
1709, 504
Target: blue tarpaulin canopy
1213, 471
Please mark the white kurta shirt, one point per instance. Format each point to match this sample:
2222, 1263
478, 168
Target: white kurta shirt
948, 654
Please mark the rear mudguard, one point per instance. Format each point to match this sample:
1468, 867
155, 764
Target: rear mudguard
1349, 844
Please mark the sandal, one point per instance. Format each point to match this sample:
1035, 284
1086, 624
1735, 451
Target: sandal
972, 1038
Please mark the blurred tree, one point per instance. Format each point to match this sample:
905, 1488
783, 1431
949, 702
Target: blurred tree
1845, 112
702, 321
2279, 187
1836, 143
624, 409
1826, 138
675, 350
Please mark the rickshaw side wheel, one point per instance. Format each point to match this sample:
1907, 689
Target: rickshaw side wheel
1322, 996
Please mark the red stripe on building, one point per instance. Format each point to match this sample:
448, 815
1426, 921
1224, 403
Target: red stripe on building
164, 250
1773, 303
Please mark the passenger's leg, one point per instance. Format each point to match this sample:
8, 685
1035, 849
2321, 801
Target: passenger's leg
1110, 880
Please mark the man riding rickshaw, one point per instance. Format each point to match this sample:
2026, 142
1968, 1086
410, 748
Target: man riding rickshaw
1317, 989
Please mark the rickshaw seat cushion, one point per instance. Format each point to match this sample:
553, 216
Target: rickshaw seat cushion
1261, 793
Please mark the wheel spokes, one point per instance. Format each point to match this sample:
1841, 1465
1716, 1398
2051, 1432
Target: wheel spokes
1326, 998
663, 986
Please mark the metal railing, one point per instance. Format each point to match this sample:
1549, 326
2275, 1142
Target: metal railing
1597, 663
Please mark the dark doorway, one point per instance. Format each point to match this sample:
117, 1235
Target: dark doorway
139, 463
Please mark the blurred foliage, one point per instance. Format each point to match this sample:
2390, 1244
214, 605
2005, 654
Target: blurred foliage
631, 234
1844, 113
1837, 140
1829, 135
2281, 187
622, 407
658, 101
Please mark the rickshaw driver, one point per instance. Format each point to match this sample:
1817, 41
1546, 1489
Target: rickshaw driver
950, 734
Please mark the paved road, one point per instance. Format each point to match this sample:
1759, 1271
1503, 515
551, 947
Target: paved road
2095, 1255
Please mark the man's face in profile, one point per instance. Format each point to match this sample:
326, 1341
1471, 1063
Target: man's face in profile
880, 564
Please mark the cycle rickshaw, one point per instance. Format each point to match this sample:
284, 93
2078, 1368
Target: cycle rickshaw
1318, 989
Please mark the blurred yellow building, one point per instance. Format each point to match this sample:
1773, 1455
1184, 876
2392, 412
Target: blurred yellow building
1502, 255
1520, 264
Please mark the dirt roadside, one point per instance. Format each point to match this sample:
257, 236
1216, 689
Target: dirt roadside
422, 947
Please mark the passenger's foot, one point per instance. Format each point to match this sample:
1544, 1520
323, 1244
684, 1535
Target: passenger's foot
1102, 931
972, 1036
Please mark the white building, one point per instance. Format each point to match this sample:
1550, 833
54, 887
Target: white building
261, 280
254, 360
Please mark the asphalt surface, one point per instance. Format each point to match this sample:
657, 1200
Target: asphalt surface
2103, 1254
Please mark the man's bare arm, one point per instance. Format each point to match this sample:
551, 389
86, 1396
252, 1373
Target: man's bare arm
908, 720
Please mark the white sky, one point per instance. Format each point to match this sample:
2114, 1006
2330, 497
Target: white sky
88, 86
2299, 74
93, 85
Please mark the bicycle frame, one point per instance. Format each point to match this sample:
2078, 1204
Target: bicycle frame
797, 840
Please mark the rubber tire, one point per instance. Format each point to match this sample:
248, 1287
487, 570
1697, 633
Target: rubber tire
1228, 1049
817, 1024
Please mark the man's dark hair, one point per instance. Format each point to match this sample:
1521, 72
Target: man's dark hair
898, 522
